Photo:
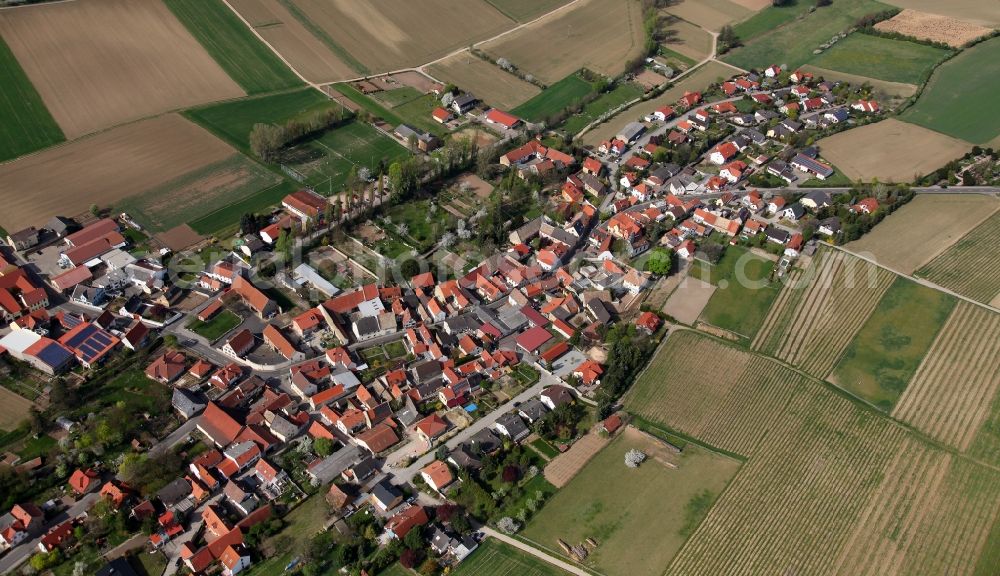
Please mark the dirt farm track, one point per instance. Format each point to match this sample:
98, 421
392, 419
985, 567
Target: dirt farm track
103, 169
101, 63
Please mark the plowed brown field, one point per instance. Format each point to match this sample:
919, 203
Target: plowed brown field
101, 63
103, 169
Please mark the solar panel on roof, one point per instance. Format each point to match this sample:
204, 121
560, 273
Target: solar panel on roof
53, 355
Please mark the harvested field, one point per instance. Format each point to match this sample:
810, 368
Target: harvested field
925, 26
564, 467
903, 241
888, 349
601, 35
975, 11
970, 266
886, 59
104, 168
831, 487
694, 82
399, 33
526, 10
818, 313
711, 14
950, 396
25, 123
688, 300
686, 38
149, 63
279, 28
13, 409
668, 494
958, 113
210, 188
890, 150
497, 87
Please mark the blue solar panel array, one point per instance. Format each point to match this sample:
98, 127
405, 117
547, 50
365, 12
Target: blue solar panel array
54, 355
90, 342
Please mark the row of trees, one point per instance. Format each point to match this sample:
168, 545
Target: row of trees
267, 140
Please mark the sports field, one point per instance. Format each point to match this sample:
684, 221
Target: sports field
903, 242
970, 266
197, 193
526, 10
890, 150
891, 344
820, 310
354, 144
744, 293
104, 168
233, 121
792, 43
280, 28
554, 99
881, 58
149, 63
395, 34
245, 58
601, 35
25, 122
495, 558
829, 486
487, 81
959, 113
669, 495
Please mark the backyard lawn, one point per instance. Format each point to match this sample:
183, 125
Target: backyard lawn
494, 558
744, 291
216, 326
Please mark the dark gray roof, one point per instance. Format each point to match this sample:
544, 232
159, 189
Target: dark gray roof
532, 409
513, 424
385, 492
174, 492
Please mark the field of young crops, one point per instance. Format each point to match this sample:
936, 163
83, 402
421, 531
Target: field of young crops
817, 314
830, 486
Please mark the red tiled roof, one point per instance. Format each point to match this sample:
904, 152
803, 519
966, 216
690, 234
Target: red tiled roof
500, 117
533, 338
218, 425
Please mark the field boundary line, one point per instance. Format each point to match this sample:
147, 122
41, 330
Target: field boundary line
918, 280
538, 551
270, 47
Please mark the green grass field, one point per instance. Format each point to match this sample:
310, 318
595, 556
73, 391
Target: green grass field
956, 100
608, 101
207, 190
25, 122
619, 507
495, 558
554, 98
216, 326
881, 58
393, 98
405, 114
232, 121
246, 59
884, 355
228, 217
770, 18
793, 42
525, 10
414, 214
744, 292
